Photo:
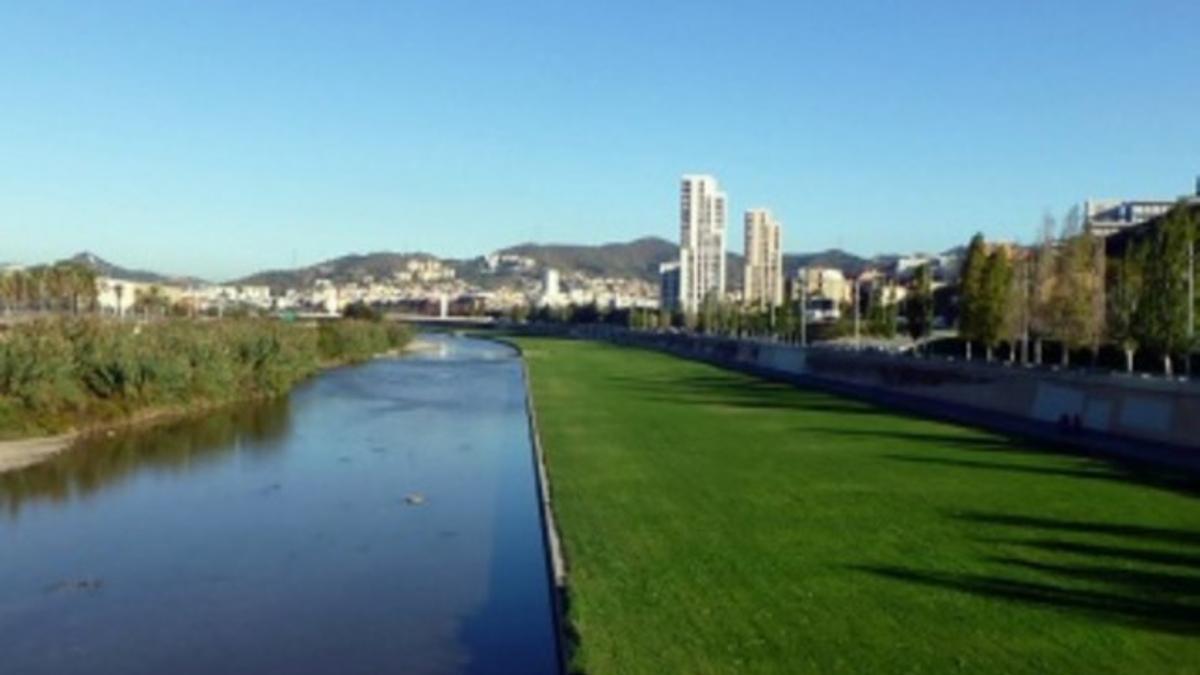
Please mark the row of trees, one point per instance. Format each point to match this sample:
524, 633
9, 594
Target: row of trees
1152, 301
64, 286
1063, 289
69, 287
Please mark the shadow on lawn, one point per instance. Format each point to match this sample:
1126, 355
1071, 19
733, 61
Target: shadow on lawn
1133, 574
945, 440
1148, 533
1180, 616
1084, 470
737, 391
1059, 461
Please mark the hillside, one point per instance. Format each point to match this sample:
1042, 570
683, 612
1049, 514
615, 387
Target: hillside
347, 268
639, 258
848, 263
105, 268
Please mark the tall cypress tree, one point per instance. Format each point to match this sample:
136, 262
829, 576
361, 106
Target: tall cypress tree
1077, 294
1017, 309
1163, 313
918, 307
1126, 276
1041, 286
970, 291
991, 308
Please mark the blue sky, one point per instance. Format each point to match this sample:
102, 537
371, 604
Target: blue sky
217, 138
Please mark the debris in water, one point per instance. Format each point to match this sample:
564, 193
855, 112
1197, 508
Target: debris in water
83, 585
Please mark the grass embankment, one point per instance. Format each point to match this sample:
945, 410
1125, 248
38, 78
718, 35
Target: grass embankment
714, 522
64, 374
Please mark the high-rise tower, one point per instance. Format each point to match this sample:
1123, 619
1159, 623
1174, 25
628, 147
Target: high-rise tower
763, 275
701, 241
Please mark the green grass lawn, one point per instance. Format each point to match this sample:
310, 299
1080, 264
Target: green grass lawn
714, 522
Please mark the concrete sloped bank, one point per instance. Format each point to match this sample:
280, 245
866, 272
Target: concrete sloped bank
1139, 420
556, 565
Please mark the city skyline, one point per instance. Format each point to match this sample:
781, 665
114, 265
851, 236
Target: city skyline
456, 131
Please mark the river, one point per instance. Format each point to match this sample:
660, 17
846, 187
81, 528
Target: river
381, 518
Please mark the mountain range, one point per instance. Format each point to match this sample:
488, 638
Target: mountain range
638, 259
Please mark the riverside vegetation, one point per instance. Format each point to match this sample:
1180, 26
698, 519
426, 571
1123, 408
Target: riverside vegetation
58, 374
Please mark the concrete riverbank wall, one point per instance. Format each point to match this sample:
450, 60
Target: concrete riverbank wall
1139, 418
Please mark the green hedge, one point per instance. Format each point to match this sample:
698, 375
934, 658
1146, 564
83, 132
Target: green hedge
55, 374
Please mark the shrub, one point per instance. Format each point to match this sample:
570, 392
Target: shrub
93, 368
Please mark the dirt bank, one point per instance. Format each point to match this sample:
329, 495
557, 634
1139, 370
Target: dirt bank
24, 452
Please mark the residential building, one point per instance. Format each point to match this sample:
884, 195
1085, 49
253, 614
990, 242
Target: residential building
669, 287
701, 241
823, 282
426, 270
117, 296
1103, 217
763, 275
552, 295
507, 262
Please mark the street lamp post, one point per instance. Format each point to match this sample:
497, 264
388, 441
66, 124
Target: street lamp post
857, 337
1191, 305
804, 309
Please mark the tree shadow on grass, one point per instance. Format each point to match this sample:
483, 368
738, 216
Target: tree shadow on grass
1161, 614
736, 391
1144, 532
1126, 554
1066, 464
953, 439
1085, 472
1140, 575
1143, 583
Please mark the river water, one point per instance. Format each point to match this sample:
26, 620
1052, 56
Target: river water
382, 518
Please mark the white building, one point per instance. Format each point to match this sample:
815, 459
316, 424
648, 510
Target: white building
824, 282
120, 296
763, 274
552, 295
507, 262
1103, 217
701, 241
117, 296
425, 270
325, 296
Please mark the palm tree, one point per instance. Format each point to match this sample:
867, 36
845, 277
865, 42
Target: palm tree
119, 291
79, 285
152, 300
6, 290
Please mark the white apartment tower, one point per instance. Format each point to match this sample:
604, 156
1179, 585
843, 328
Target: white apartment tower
763, 280
701, 241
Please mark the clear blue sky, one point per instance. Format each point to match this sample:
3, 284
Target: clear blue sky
216, 138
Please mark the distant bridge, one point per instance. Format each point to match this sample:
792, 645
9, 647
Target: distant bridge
447, 321
416, 319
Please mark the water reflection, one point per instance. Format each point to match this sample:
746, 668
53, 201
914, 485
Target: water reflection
182, 444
